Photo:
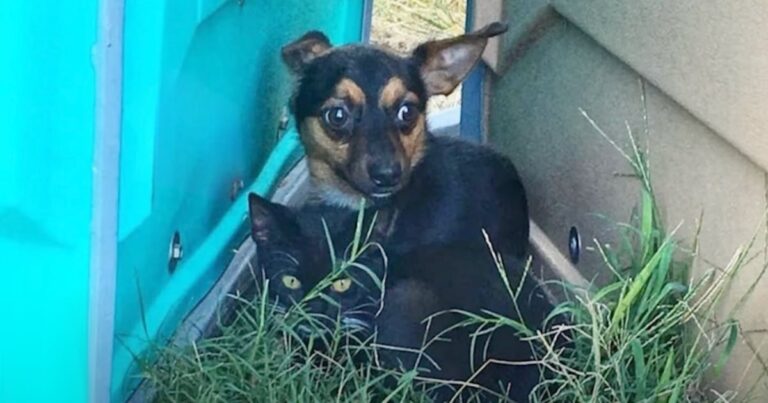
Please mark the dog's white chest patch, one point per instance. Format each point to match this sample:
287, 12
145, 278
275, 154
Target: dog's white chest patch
336, 197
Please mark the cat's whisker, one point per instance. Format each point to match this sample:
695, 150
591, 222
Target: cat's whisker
365, 308
361, 309
279, 309
355, 324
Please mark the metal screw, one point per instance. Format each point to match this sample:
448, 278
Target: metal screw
235, 188
282, 124
175, 252
574, 245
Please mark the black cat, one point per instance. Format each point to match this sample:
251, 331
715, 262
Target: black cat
294, 257
421, 299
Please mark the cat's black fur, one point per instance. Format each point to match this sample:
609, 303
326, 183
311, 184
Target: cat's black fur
463, 277
293, 244
421, 284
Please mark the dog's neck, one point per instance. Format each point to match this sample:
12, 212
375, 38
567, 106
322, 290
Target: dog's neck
334, 196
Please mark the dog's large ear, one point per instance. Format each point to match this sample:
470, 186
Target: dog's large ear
445, 63
269, 221
298, 53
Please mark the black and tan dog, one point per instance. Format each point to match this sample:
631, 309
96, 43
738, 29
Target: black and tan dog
361, 115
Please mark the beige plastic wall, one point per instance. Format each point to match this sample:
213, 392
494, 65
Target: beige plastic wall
705, 68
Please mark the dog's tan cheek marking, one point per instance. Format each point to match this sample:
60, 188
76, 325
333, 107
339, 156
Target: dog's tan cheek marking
323, 173
348, 89
414, 142
318, 144
391, 92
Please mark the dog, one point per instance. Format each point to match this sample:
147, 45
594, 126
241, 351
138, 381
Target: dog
361, 116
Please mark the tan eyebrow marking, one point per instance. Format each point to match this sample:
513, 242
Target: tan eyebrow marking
348, 89
393, 91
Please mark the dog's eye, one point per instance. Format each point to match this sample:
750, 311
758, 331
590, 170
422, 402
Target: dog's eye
407, 113
341, 285
336, 117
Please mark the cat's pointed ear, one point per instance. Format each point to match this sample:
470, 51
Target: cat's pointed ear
297, 54
445, 63
264, 217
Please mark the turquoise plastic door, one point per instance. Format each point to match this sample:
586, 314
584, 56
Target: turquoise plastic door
204, 92
47, 133
122, 124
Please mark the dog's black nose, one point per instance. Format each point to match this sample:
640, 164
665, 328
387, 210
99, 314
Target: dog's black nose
385, 175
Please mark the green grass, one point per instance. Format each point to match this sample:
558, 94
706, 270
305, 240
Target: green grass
648, 334
259, 358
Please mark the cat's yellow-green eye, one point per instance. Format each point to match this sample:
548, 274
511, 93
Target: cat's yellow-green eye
341, 285
291, 282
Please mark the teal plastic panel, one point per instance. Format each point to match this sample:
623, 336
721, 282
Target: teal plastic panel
203, 94
47, 95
